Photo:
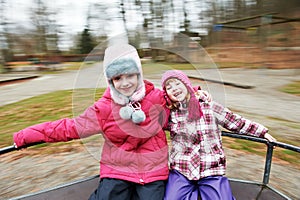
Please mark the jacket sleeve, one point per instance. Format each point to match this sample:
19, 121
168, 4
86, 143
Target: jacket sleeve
60, 130
236, 123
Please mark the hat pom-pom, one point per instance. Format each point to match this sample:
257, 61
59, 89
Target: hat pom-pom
126, 112
138, 116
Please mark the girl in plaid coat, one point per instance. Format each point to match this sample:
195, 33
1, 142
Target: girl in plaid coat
197, 159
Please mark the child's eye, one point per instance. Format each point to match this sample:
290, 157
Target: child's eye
116, 78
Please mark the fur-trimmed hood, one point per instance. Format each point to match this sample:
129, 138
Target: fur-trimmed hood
123, 59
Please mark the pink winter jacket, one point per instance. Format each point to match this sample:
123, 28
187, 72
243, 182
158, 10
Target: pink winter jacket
132, 152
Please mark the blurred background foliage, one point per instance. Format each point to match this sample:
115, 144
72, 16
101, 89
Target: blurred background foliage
262, 27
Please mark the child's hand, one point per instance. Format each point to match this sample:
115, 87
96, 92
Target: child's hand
269, 137
203, 95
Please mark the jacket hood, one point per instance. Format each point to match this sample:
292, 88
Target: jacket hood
123, 59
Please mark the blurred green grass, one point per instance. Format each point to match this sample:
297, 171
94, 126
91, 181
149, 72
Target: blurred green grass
292, 88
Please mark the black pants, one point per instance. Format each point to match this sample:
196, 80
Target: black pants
115, 189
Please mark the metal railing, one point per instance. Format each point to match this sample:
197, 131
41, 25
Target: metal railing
269, 154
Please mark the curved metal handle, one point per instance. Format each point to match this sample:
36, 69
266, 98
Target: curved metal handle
7, 149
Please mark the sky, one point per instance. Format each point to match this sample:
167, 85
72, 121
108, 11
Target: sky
71, 14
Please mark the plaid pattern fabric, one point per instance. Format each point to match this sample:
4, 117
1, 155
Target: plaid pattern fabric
197, 150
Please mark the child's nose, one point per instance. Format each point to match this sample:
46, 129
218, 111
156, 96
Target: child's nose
125, 81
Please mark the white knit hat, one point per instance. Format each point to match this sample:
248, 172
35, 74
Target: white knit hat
123, 59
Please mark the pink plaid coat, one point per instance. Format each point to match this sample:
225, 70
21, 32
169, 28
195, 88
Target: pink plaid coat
197, 150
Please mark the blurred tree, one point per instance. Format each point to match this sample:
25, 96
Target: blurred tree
5, 39
2, 35
86, 42
156, 16
186, 21
147, 14
97, 19
123, 15
45, 28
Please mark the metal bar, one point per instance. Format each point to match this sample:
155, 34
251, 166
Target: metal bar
7, 149
287, 146
13, 147
261, 140
268, 163
269, 154
245, 137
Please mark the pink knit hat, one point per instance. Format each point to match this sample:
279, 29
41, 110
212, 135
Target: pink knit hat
194, 109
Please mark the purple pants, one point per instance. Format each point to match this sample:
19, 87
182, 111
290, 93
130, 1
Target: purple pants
209, 188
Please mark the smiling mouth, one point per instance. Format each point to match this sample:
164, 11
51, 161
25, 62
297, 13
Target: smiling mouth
126, 89
177, 94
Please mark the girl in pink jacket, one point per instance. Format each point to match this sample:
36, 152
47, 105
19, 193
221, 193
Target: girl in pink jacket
197, 158
130, 116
